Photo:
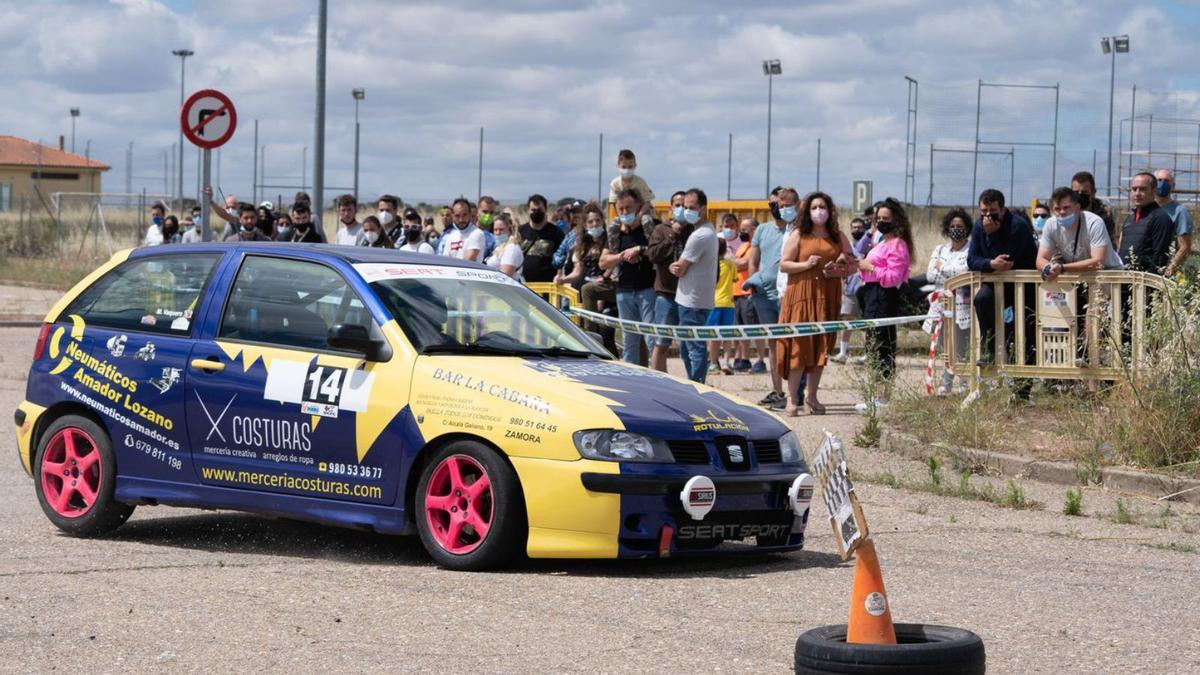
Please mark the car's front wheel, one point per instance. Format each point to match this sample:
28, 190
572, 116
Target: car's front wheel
469, 509
76, 478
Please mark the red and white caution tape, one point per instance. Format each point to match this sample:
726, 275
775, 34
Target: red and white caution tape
934, 299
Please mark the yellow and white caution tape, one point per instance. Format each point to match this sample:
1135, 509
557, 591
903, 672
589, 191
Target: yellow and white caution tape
748, 332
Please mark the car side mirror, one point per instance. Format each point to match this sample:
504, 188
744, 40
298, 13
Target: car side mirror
356, 338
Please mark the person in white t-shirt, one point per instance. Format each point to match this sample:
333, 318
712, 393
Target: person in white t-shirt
507, 257
462, 239
411, 237
154, 235
351, 231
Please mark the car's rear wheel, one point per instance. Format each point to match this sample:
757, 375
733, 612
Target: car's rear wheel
469, 510
76, 478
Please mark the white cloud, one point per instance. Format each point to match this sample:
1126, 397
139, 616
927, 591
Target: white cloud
671, 79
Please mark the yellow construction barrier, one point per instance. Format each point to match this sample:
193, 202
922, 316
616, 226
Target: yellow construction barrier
562, 296
758, 209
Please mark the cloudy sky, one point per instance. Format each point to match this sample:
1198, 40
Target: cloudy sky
671, 79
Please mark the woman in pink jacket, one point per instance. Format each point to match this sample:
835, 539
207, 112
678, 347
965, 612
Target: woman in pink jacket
884, 270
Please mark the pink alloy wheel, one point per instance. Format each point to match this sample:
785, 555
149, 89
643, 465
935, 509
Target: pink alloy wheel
458, 504
71, 472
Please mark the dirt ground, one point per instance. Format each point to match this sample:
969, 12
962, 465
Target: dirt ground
187, 591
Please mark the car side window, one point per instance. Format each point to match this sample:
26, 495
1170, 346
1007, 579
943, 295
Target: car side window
291, 303
153, 295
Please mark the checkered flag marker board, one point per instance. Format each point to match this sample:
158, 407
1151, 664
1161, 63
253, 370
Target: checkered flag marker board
845, 513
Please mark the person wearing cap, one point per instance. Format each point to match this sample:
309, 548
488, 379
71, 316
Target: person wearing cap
265, 220
411, 235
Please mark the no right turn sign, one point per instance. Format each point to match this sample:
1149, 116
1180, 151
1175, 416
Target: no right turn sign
208, 118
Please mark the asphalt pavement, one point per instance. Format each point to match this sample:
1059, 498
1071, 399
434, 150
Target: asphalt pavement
182, 590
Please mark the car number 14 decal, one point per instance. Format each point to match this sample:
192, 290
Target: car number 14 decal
318, 389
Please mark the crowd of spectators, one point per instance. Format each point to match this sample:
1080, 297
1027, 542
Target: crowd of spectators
805, 263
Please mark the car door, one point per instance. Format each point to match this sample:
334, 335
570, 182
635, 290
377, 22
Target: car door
123, 351
270, 406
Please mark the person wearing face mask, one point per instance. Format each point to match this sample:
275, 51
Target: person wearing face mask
462, 240
284, 230
485, 218
1041, 213
1179, 216
697, 270
597, 293
265, 219
389, 218
247, 225
625, 254
170, 230
663, 249
154, 235
814, 259
1084, 185
743, 304
628, 179
373, 234
412, 235
539, 240
883, 271
766, 247
351, 232
303, 230
947, 260
191, 231
507, 257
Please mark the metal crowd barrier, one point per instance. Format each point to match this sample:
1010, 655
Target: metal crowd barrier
1090, 326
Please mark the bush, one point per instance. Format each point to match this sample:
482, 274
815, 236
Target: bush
1074, 503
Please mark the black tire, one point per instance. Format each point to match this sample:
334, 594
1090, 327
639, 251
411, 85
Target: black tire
504, 540
921, 648
104, 513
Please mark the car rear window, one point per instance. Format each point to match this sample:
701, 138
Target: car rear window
152, 295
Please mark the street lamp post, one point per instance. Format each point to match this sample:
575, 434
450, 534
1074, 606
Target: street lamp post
359, 94
182, 54
771, 68
1119, 45
74, 114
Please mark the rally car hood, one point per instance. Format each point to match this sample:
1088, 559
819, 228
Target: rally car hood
591, 393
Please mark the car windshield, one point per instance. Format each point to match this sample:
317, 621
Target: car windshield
471, 311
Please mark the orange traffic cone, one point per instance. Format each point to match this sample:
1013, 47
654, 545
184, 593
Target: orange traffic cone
870, 616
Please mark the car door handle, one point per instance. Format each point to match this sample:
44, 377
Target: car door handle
205, 364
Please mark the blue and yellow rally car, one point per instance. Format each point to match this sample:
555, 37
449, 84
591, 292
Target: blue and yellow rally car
388, 391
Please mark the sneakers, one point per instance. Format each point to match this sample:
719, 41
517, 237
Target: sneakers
741, 365
774, 398
837, 358
714, 369
759, 367
857, 361
864, 407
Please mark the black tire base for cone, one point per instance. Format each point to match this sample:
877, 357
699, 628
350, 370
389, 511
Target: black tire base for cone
921, 648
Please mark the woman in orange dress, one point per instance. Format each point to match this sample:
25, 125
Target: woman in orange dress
813, 257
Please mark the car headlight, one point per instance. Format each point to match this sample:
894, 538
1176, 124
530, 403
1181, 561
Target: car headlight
789, 449
619, 446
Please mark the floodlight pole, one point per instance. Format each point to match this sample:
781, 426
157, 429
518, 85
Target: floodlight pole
74, 115
182, 54
359, 94
1110, 45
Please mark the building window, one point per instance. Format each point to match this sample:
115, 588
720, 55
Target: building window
48, 175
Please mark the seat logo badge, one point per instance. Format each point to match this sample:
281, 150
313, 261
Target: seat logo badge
735, 454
